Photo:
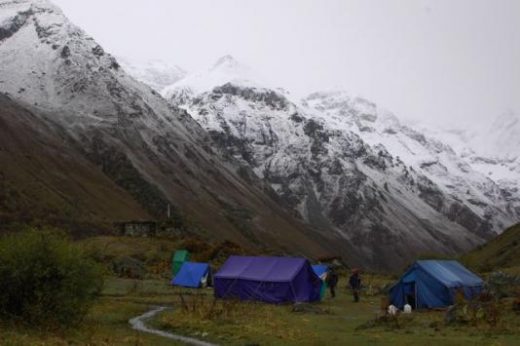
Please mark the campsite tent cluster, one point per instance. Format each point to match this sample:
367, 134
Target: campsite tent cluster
267, 279
426, 284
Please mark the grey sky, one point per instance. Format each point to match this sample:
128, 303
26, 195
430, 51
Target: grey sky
440, 61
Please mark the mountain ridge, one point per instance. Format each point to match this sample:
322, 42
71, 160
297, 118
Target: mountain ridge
349, 168
248, 162
154, 151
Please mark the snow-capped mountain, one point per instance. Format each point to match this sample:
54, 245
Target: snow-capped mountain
492, 149
349, 168
372, 189
501, 139
86, 104
157, 74
225, 70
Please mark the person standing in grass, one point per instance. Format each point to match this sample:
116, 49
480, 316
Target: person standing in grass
332, 282
355, 284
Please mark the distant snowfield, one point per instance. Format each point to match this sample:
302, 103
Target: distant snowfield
155, 73
265, 127
492, 149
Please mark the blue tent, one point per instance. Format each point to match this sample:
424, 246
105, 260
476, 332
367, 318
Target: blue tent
267, 279
191, 274
321, 270
433, 284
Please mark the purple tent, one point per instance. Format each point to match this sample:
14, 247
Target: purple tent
268, 279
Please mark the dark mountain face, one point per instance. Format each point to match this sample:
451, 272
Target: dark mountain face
148, 152
43, 178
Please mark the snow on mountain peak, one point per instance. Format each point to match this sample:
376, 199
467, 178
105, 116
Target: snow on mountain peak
332, 155
7, 5
345, 165
229, 69
78, 95
507, 119
155, 73
503, 137
14, 12
46, 59
225, 70
227, 62
497, 140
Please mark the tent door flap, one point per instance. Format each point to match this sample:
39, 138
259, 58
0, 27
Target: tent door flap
410, 293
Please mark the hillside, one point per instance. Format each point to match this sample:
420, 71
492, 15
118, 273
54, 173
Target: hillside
501, 252
236, 159
348, 167
83, 103
43, 180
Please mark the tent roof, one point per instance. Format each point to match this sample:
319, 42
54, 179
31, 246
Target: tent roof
191, 274
450, 273
273, 269
181, 255
320, 269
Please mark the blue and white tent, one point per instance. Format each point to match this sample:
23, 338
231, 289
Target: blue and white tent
192, 274
321, 270
433, 284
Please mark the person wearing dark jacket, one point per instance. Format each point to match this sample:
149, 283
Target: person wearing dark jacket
332, 282
355, 284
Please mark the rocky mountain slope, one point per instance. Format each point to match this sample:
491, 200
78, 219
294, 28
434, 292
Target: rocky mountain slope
114, 129
347, 167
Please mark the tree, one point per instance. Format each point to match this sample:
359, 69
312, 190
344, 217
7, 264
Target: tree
45, 280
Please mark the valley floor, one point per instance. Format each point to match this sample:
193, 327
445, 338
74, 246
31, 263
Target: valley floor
333, 322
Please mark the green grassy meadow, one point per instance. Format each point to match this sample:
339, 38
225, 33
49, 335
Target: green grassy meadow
337, 321
501, 252
195, 313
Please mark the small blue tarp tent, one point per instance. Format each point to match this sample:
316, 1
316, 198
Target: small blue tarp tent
321, 270
433, 284
192, 274
267, 279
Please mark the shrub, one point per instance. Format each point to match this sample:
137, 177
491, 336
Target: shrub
45, 281
129, 267
195, 245
516, 305
502, 284
479, 311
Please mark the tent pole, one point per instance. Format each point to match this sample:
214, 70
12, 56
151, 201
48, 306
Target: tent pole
416, 297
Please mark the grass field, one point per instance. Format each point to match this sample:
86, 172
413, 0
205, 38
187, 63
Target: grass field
501, 252
334, 322
337, 321
196, 314
107, 322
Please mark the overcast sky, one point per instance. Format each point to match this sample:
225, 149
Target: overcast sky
439, 61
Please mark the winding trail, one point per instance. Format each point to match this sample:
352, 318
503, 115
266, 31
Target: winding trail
137, 323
